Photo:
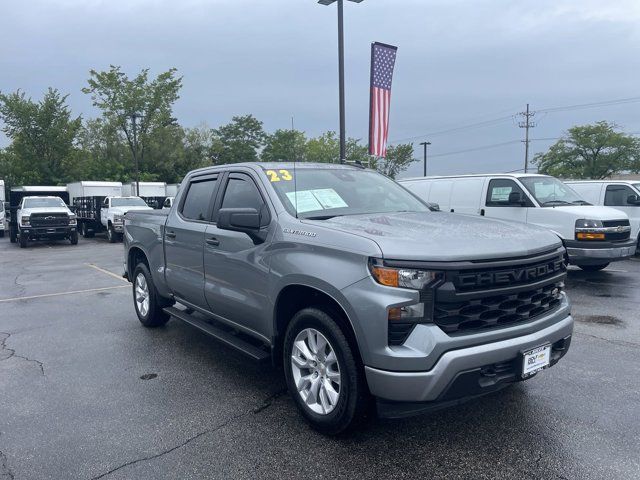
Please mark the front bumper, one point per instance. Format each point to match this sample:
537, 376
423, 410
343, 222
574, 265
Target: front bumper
595, 253
466, 372
47, 232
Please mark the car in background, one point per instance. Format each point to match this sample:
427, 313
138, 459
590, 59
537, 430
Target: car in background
593, 236
113, 211
622, 195
168, 203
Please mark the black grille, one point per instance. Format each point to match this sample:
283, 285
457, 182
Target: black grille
615, 223
49, 220
616, 236
497, 310
399, 331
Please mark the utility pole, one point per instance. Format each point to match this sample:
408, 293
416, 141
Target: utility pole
134, 117
424, 144
526, 124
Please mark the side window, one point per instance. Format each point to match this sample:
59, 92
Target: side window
198, 199
167, 202
241, 192
105, 204
499, 190
616, 195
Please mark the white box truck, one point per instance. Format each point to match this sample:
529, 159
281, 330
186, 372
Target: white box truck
593, 236
153, 193
87, 198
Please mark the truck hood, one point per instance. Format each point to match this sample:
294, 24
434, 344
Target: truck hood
30, 211
445, 237
123, 210
590, 212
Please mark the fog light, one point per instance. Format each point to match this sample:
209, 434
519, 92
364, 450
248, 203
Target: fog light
408, 312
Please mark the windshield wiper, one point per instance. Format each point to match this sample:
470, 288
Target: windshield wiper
322, 217
580, 202
555, 202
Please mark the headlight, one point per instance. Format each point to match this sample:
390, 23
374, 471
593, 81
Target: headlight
118, 218
73, 220
412, 278
584, 223
589, 229
403, 277
25, 221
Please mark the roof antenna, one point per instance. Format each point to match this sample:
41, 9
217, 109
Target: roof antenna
295, 177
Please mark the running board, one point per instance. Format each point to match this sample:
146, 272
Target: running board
221, 335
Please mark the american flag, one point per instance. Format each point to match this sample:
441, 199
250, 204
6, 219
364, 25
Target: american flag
383, 59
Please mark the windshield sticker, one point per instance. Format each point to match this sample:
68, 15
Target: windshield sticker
276, 176
306, 202
329, 198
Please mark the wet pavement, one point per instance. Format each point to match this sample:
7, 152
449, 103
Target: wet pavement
87, 393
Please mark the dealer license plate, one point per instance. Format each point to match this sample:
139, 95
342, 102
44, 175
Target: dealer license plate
535, 360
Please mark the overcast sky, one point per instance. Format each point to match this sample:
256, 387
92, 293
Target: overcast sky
459, 63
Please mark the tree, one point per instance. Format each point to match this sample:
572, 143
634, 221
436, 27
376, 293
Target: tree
326, 149
398, 159
590, 151
287, 145
137, 107
43, 135
238, 141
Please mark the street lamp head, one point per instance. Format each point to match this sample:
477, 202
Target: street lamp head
329, 2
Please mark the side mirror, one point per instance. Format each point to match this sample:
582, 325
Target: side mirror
434, 207
246, 220
633, 200
515, 198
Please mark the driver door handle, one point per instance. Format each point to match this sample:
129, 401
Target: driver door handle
213, 241
170, 234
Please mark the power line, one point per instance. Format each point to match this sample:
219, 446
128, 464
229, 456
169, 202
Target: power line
580, 106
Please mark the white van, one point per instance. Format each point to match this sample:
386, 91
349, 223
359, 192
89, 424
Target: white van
594, 236
619, 194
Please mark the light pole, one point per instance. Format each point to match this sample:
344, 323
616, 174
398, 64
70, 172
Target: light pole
343, 141
424, 144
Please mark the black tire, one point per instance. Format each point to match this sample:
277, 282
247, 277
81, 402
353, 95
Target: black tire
155, 316
24, 241
112, 236
354, 401
13, 237
1, 233
593, 268
83, 230
73, 238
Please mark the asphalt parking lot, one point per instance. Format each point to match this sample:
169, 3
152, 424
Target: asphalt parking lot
86, 392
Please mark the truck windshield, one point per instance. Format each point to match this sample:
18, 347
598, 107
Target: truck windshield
128, 202
551, 192
322, 193
43, 202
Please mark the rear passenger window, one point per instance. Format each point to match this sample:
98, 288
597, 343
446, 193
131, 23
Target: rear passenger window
616, 196
499, 190
241, 192
196, 204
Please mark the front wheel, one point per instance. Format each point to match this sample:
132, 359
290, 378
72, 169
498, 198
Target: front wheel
24, 241
73, 238
322, 374
148, 304
112, 236
594, 268
1, 233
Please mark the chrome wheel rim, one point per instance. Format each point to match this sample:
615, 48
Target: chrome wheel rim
142, 295
316, 371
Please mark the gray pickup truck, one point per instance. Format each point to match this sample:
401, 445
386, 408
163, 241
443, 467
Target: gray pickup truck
364, 295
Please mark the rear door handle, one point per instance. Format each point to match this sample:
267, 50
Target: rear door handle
170, 234
213, 241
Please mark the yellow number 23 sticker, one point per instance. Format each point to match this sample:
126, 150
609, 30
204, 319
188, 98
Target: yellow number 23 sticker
279, 175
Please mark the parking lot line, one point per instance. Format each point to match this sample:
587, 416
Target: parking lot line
30, 297
119, 277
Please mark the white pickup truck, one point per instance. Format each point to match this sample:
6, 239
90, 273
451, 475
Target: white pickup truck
45, 218
113, 211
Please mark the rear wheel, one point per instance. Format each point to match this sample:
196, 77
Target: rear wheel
24, 241
322, 374
148, 304
594, 268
